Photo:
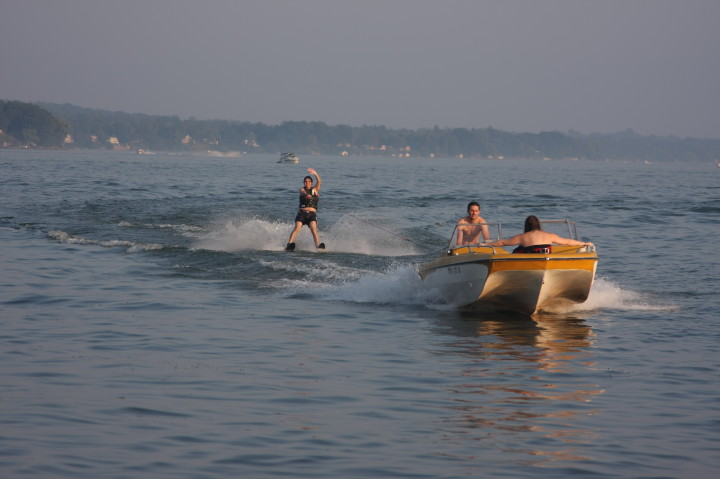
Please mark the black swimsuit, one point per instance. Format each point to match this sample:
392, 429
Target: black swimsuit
306, 217
536, 249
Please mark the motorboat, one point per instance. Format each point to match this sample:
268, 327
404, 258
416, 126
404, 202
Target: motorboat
492, 278
289, 158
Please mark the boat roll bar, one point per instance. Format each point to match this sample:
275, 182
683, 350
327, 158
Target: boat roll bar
472, 234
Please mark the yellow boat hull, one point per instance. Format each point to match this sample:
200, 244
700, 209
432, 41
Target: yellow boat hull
491, 278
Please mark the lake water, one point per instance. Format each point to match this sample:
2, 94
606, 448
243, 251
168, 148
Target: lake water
152, 325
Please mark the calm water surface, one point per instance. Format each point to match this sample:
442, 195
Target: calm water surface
152, 326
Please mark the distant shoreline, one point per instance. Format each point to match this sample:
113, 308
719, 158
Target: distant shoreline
53, 126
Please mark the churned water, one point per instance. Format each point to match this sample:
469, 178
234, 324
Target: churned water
152, 325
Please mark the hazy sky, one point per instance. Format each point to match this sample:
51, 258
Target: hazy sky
516, 65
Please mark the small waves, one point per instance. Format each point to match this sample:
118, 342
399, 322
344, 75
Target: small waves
131, 246
317, 271
182, 229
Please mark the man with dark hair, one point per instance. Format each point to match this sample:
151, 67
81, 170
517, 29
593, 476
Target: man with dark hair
472, 225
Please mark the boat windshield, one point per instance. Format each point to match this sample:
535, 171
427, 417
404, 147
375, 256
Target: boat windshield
565, 228
475, 234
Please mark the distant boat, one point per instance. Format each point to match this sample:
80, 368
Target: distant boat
289, 158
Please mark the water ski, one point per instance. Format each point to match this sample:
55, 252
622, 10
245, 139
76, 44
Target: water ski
291, 247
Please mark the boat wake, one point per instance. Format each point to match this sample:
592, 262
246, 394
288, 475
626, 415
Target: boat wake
342, 278
401, 285
239, 235
606, 294
345, 236
132, 246
332, 279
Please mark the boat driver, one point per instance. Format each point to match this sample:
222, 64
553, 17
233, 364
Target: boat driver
470, 227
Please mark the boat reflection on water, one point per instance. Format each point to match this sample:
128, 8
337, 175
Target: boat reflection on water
525, 387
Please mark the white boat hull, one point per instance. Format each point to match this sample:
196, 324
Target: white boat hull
458, 285
289, 158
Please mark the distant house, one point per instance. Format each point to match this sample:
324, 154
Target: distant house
115, 143
3, 142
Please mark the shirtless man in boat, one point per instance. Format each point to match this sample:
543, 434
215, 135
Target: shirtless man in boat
473, 225
307, 211
535, 240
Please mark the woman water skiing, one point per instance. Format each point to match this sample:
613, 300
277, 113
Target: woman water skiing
307, 211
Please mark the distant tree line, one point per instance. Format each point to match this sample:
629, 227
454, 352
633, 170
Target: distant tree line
47, 124
25, 124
